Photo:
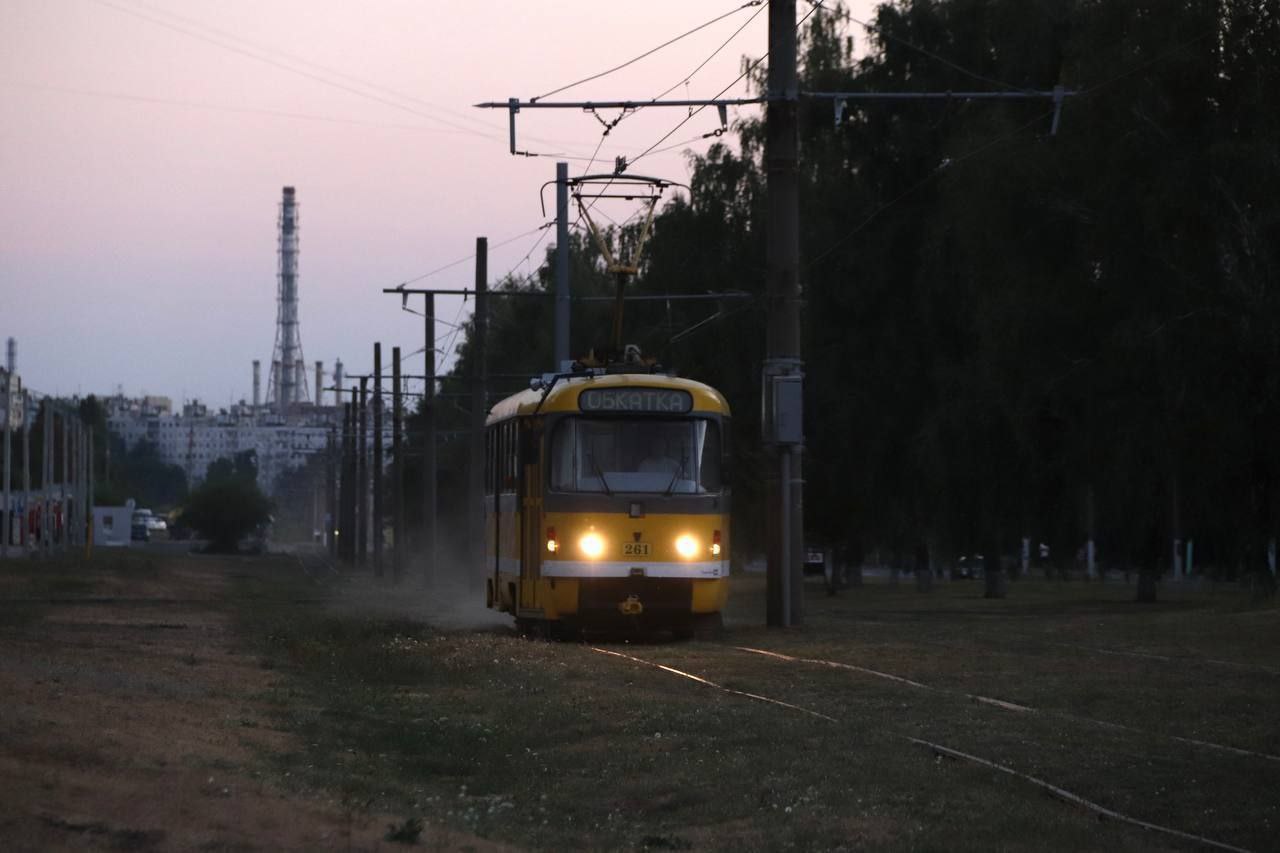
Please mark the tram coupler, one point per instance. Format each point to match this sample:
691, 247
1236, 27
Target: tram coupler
631, 606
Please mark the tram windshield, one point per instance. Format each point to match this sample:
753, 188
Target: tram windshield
673, 457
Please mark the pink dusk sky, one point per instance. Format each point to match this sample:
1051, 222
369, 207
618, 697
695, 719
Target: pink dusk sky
145, 143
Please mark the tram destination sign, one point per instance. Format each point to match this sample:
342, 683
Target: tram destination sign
667, 401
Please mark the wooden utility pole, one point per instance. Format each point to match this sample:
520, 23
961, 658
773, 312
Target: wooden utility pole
783, 368
475, 473
397, 469
378, 460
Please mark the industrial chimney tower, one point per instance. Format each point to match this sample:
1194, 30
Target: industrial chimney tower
288, 379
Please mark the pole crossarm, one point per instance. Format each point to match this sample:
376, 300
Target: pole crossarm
542, 294
461, 291
515, 105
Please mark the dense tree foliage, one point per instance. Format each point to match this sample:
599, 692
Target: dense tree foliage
228, 505
1007, 332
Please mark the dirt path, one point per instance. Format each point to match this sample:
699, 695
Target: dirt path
132, 719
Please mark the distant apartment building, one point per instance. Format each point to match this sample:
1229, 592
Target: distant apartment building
195, 438
12, 400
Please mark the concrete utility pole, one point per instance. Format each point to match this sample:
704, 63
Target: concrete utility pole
783, 372
479, 407
378, 460
25, 536
397, 470
429, 530
362, 475
46, 481
89, 499
74, 519
330, 489
8, 476
62, 482
562, 267
346, 495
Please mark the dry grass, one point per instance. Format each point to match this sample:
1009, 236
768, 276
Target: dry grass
333, 709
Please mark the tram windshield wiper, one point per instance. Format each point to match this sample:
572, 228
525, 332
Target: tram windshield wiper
675, 478
595, 468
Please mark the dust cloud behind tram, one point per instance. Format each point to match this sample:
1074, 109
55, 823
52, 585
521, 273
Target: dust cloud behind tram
607, 503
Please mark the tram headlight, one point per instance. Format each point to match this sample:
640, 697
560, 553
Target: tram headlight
687, 546
592, 545
715, 543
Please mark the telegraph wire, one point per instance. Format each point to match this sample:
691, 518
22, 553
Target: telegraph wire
230, 36
687, 77
965, 71
1177, 48
685, 80
951, 162
256, 55
543, 227
750, 68
378, 87
947, 163
651, 51
301, 72
148, 99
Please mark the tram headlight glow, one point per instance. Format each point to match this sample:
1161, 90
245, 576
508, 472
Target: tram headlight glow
592, 545
687, 546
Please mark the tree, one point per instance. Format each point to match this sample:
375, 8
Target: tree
228, 505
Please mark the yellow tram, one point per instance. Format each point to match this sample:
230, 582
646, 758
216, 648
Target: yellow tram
607, 503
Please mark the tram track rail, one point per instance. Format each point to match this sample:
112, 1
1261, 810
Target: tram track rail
1057, 791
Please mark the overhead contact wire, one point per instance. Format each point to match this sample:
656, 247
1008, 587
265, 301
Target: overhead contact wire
649, 52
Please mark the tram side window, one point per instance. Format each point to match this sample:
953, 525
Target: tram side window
709, 475
509, 457
506, 445
501, 463
488, 460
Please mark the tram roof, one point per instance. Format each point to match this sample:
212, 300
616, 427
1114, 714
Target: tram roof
563, 396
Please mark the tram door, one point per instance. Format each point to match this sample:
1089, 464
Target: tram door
530, 532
